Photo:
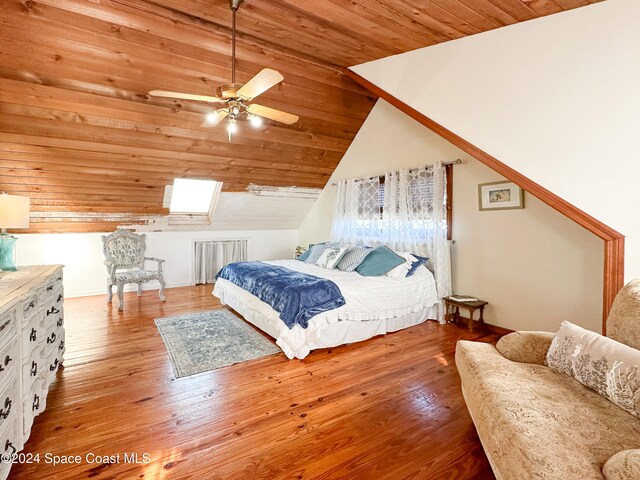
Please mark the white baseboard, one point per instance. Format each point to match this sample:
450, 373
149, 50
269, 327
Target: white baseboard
127, 288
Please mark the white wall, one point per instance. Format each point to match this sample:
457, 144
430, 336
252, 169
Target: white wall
85, 274
534, 266
556, 98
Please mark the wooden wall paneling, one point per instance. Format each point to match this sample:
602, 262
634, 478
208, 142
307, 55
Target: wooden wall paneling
614, 241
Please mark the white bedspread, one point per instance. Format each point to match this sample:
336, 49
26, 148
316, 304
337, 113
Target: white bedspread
367, 298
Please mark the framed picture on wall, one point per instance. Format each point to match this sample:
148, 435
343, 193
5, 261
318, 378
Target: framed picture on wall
500, 196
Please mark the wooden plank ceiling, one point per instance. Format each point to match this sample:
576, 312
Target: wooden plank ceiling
79, 135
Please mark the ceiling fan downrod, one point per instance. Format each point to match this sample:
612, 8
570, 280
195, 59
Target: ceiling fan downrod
235, 5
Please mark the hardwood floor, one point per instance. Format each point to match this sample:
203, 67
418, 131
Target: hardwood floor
387, 408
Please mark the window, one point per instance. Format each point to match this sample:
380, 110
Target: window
192, 201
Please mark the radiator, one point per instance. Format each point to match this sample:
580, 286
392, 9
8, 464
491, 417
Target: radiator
212, 255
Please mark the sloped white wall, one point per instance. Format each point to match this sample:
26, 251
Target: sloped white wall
555, 98
534, 266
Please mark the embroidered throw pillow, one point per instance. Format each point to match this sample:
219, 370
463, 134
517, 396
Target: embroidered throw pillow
418, 261
610, 368
401, 270
331, 256
353, 257
379, 261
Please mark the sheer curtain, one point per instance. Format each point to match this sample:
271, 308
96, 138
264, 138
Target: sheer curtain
211, 256
406, 212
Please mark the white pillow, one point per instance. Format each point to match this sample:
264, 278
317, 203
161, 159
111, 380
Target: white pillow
401, 270
331, 257
610, 368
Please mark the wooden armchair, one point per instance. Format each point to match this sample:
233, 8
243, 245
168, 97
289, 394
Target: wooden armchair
124, 251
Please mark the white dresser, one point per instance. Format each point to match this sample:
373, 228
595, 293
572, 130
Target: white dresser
31, 349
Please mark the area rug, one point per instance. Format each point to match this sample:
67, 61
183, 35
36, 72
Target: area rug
203, 341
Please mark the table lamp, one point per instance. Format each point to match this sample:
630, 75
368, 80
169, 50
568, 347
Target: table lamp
14, 213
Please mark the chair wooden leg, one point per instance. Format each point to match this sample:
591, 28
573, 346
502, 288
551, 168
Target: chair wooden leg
161, 292
109, 293
139, 289
121, 297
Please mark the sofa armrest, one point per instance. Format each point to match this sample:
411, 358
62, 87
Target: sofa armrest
525, 347
623, 465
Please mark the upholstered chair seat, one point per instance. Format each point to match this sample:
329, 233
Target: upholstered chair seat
125, 262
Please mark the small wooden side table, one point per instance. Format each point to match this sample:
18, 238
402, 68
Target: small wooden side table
452, 310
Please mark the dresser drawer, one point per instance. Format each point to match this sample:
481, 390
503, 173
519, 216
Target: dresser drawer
35, 367
52, 286
8, 321
33, 334
9, 442
33, 405
9, 401
30, 306
8, 359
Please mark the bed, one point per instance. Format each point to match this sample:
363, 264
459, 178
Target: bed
372, 306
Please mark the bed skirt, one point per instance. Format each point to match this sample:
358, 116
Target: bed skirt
325, 332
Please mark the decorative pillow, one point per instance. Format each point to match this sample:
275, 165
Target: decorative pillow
353, 257
315, 250
305, 255
610, 368
418, 261
624, 465
401, 270
331, 257
378, 262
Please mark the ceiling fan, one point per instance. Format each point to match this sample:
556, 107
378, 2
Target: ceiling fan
236, 96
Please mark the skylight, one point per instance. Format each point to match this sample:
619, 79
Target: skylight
190, 196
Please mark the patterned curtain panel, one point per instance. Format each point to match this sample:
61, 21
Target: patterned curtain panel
211, 256
404, 210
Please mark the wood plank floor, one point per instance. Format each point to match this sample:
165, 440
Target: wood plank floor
387, 408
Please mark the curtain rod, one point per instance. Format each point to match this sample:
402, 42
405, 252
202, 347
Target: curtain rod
457, 161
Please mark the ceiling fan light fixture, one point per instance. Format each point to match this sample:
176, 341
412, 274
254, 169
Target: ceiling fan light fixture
255, 120
232, 127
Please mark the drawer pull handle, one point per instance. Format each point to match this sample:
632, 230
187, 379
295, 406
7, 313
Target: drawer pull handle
54, 365
61, 346
5, 324
49, 288
59, 298
7, 405
34, 369
52, 338
33, 335
52, 311
59, 322
36, 403
31, 305
8, 445
7, 359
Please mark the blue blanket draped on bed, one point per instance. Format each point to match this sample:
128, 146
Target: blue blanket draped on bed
295, 296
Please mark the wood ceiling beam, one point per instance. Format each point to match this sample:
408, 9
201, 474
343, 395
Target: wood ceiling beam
613, 240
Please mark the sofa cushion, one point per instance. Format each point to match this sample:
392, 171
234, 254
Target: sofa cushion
536, 423
623, 323
623, 465
610, 368
526, 347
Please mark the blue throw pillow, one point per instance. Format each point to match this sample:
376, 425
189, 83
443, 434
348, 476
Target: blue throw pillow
305, 255
416, 264
354, 257
378, 262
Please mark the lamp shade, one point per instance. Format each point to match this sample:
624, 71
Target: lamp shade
14, 211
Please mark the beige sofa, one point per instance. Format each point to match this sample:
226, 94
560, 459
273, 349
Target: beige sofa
536, 423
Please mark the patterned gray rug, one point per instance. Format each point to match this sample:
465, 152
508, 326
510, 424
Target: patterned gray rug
203, 341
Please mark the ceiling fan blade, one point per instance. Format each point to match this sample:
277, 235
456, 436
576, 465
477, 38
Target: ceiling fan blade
272, 114
263, 81
215, 118
184, 96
